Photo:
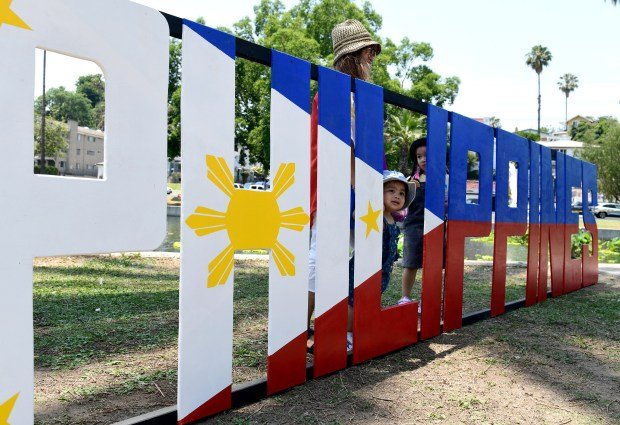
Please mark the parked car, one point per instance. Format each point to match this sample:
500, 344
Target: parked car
576, 206
238, 185
168, 190
257, 186
604, 209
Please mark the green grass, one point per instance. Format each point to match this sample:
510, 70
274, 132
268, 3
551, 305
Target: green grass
175, 186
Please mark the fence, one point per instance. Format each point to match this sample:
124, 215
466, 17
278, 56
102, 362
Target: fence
220, 219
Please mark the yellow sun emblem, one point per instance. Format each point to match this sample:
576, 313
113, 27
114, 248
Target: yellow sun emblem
7, 16
6, 408
253, 220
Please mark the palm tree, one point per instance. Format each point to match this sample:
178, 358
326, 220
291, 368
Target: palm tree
567, 83
537, 59
401, 128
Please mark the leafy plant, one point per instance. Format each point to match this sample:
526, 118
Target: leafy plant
578, 240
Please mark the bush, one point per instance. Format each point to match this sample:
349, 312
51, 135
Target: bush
175, 178
50, 170
577, 240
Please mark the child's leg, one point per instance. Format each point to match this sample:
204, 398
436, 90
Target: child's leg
408, 281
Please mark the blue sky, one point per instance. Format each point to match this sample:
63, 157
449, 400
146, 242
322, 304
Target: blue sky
483, 42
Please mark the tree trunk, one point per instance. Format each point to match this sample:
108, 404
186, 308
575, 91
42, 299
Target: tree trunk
566, 114
538, 105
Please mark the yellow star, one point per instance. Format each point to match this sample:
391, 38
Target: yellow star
371, 219
7, 16
6, 408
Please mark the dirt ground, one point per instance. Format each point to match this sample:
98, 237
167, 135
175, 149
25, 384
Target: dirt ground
517, 368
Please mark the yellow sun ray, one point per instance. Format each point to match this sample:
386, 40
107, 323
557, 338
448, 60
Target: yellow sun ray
285, 177
219, 173
6, 408
7, 16
205, 221
294, 219
285, 260
220, 267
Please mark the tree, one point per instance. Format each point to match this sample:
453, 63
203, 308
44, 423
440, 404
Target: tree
528, 135
56, 134
63, 105
401, 128
92, 87
567, 84
602, 144
495, 122
537, 59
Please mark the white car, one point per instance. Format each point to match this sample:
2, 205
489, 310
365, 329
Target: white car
168, 190
602, 210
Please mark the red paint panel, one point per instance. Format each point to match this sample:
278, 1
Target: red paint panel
287, 366
590, 262
556, 249
498, 287
432, 281
533, 265
543, 272
218, 403
330, 340
378, 331
455, 255
572, 267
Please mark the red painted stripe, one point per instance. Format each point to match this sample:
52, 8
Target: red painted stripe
378, 331
455, 256
432, 282
572, 267
330, 340
287, 366
590, 262
218, 403
500, 245
543, 273
533, 265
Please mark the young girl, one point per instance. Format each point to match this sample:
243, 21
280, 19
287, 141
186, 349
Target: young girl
413, 226
397, 195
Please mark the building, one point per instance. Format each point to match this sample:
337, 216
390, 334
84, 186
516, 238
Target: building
84, 153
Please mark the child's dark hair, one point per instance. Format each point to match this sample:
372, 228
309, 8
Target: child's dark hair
412, 151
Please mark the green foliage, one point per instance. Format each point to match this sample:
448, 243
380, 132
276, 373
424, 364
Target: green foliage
577, 241
63, 105
401, 128
91, 86
49, 170
602, 140
538, 58
528, 135
56, 134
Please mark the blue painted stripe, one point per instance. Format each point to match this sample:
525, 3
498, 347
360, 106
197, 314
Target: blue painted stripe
547, 193
223, 41
589, 177
335, 103
560, 189
534, 183
573, 179
511, 147
290, 77
436, 148
369, 124
469, 135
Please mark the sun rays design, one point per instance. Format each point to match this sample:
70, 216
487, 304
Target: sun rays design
253, 220
6, 408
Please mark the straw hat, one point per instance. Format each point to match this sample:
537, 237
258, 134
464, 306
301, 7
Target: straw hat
350, 36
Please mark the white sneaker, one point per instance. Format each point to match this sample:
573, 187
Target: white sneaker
349, 342
404, 300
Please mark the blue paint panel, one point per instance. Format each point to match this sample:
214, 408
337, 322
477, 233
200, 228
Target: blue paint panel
511, 147
573, 179
560, 188
436, 146
547, 194
534, 182
369, 124
290, 77
335, 103
589, 177
470, 135
223, 41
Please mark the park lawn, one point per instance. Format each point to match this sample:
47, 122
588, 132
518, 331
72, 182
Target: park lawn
106, 330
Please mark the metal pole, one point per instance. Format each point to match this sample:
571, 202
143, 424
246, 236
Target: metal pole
43, 107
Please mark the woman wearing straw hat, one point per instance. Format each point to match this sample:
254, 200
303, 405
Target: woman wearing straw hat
354, 52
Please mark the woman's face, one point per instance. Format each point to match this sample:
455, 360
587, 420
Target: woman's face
366, 58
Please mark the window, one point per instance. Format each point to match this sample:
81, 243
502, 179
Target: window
89, 167
91, 139
90, 153
79, 137
78, 151
62, 164
77, 166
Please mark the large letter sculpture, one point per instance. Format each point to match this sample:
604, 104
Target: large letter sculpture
56, 216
